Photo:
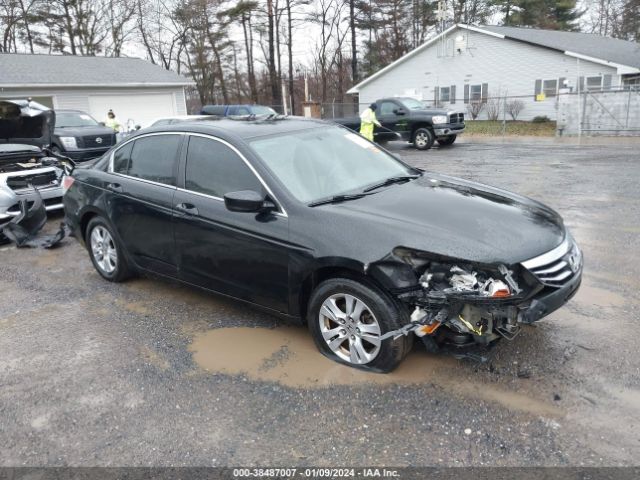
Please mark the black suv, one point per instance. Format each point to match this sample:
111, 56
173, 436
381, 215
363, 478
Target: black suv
79, 136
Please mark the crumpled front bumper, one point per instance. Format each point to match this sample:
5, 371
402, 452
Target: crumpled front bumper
10, 200
549, 300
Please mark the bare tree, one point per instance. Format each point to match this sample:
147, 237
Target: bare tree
474, 108
514, 107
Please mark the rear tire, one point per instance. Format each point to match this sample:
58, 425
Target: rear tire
446, 141
423, 138
105, 251
345, 317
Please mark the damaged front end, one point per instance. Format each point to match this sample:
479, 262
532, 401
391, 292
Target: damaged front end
465, 307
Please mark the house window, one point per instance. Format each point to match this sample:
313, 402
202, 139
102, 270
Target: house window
476, 93
445, 94
546, 88
550, 88
594, 83
631, 83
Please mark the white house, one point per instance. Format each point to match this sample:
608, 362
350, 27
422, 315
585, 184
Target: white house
134, 88
467, 64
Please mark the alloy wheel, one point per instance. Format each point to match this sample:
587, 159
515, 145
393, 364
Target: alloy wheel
350, 328
103, 249
421, 139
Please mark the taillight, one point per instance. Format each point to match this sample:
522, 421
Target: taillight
67, 181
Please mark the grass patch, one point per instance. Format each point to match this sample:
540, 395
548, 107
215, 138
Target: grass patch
518, 127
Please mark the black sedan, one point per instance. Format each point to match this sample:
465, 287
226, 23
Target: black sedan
312, 222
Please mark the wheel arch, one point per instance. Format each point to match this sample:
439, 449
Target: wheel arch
336, 268
421, 124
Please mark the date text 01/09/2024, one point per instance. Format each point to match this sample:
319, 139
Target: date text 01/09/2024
315, 473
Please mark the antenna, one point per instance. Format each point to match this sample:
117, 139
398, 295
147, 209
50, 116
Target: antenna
441, 16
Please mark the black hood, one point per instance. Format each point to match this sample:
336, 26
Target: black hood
26, 122
445, 216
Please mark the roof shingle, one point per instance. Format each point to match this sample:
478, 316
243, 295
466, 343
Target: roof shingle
32, 70
589, 44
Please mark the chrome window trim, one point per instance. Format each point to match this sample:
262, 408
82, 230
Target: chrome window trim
282, 212
550, 256
110, 169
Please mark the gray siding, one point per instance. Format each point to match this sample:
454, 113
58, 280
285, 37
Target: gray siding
504, 65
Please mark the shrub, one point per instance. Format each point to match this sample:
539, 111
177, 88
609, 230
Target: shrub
541, 119
514, 107
493, 108
474, 108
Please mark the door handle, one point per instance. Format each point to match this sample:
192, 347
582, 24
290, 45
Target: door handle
114, 187
189, 208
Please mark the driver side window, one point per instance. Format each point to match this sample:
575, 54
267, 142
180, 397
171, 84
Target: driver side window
215, 169
387, 108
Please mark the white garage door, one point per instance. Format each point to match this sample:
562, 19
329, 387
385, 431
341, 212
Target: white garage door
142, 108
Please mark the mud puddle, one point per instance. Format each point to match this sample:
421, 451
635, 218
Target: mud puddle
287, 355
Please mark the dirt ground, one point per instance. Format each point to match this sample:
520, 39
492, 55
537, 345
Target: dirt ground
148, 373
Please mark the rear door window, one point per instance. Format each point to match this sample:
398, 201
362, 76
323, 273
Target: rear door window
154, 158
121, 158
215, 169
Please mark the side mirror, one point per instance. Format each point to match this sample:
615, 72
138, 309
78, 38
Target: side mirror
102, 123
247, 201
399, 111
138, 127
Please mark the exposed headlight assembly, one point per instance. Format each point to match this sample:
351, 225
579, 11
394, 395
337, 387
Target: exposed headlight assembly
69, 143
438, 119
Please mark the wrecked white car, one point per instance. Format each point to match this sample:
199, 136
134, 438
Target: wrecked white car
30, 175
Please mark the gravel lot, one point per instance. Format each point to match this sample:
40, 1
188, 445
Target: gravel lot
150, 373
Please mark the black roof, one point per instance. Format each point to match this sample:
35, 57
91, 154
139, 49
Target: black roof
242, 127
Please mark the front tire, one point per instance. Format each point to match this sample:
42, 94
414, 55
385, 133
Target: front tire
346, 319
107, 255
446, 141
423, 138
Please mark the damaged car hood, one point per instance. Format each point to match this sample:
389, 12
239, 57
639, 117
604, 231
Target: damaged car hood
454, 218
26, 122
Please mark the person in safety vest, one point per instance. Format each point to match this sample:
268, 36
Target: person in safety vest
367, 122
112, 122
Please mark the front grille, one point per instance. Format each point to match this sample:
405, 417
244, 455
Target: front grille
557, 267
42, 180
91, 141
456, 117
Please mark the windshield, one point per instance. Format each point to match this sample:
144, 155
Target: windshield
72, 119
324, 162
412, 104
260, 110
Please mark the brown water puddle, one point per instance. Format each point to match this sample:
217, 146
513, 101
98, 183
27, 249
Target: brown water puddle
287, 355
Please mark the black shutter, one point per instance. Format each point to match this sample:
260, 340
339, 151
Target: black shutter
581, 83
466, 94
436, 96
537, 90
485, 92
561, 81
606, 82
452, 95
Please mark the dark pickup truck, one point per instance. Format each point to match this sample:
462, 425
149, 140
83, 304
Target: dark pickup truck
410, 120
